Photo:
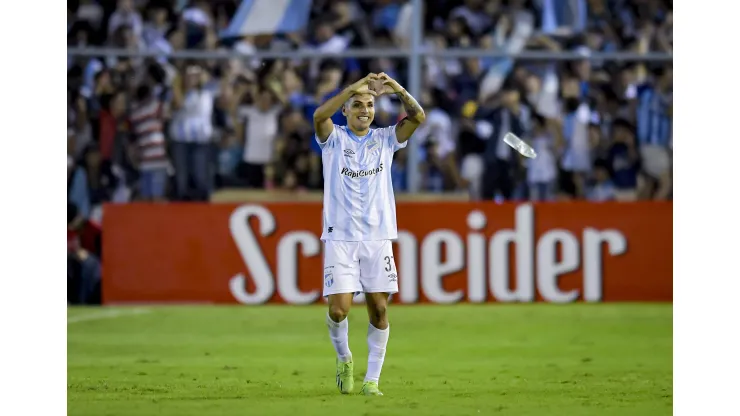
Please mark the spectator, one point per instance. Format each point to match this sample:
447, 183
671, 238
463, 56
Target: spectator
437, 133
471, 148
328, 85
624, 161
156, 28
575, 163
399, 171
603, 188
100, 179
126, 15
386, 15
293, 153
191, 131
467, 83
91, 12
259, 127
111, 122
198, 22
150, 153
325, 39
654, 129
83, 267
472, 12
79, 133
78, 193
501, 161
542, 171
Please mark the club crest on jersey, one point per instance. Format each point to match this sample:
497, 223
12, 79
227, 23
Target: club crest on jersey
328, 276
372, 145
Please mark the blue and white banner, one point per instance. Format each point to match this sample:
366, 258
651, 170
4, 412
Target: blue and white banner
262, 17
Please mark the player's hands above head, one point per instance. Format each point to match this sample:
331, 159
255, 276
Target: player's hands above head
363, 86
384, 84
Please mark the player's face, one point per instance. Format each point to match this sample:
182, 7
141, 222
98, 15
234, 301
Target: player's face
360, 111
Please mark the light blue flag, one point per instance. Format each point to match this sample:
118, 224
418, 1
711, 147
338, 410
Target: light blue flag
262, 17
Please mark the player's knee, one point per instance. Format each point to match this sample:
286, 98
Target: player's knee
337, 313
378, 315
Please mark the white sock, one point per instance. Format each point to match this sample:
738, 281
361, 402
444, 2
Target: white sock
339, 334
377, 340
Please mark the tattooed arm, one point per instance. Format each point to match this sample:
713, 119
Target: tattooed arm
414, 113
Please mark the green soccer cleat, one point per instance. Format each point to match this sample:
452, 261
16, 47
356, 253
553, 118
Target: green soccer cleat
345, 374
370, 388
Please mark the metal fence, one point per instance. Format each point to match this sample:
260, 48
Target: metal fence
414, 53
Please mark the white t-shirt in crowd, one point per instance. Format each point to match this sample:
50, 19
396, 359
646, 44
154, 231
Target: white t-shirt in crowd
577, 157
543, 168
437, 128
260, 131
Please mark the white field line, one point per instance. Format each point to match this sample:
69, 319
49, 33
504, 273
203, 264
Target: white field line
115, 313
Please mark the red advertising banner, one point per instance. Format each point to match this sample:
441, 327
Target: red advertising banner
447, 252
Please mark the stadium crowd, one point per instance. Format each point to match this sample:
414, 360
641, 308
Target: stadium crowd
156, 128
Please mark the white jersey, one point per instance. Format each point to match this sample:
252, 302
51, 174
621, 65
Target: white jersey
358, 192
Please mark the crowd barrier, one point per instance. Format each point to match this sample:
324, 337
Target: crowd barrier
447, 252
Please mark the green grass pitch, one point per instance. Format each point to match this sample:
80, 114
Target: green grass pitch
528, 359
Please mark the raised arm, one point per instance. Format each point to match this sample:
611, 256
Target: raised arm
322, 116
414, 113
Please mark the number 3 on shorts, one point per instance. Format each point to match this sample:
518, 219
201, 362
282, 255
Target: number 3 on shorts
388, 264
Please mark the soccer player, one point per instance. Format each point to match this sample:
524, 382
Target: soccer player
359, 216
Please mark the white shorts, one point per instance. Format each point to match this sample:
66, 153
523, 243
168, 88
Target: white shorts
359, 266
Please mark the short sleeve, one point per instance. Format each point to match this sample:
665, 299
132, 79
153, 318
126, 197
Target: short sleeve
392, 139
330, 142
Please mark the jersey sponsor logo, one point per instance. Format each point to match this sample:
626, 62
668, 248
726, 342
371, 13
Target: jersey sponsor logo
361, 173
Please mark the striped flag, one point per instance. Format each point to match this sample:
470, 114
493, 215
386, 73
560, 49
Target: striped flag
262, 17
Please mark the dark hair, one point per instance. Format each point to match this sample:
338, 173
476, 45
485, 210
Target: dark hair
75, 71
326, 20
658, 70
509, 84
610, 94
171, 31
100, 74
331, 64
382, 33
539, 119
90, 148
624, 123
438, 97
72, 211
107, 99
157, 73
264, 89
143, 92
601, 163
